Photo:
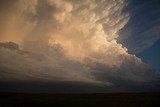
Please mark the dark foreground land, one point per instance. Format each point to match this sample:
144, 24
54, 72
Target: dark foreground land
80, 100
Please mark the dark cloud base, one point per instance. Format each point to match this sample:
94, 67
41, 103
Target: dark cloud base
74, 87
14, 80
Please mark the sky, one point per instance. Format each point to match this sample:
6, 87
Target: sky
141, 35
79, 45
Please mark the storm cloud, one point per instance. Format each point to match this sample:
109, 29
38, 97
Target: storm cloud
68, 40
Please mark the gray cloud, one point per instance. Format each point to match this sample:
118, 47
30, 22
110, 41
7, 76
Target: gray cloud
10, 45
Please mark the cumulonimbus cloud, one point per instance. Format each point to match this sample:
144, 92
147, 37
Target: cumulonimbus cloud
66, 40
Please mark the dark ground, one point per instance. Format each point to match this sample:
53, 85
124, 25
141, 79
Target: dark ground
80, 100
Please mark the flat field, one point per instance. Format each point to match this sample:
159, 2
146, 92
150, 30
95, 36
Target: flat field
80, 100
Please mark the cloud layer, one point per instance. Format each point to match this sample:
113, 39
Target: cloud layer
68, 40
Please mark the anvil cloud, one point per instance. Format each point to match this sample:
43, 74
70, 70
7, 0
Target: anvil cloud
67, 40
